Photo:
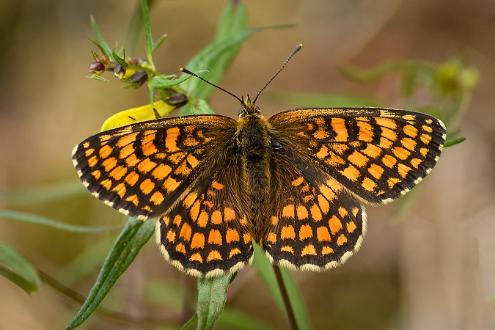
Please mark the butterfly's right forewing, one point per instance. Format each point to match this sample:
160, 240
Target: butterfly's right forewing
377, 154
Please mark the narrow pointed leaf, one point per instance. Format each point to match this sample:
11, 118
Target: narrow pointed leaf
212, 294
39, 220
18, 270
453, 142
162, 81
130, 241
100, 40
265, 271
200, 107
300, 311
134, 30
158, 42
148, 36
191, 323
207, 59
42, 194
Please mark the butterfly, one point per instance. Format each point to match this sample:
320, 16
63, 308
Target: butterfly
296, 183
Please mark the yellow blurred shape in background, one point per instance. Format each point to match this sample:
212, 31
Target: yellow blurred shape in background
134, 115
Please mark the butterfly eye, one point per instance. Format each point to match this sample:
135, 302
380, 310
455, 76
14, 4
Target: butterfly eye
275, 145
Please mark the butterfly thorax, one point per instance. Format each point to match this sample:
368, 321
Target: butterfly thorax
253, 145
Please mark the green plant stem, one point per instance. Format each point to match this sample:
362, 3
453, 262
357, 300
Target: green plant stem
285, 297
134, 29
105, 312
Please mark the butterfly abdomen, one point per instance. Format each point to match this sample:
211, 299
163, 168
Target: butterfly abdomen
254, 143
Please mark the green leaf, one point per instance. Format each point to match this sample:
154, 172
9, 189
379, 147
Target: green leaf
217, 57
100, 40
191, 323
232, 20
208, 59
212, 294
134, 29
300, 311
16, 269
130, 241
43, 194
200, 107
453, 142
204, 108
322, 100
164, 81
265, 270
119, 59
233, 319
379, 71
39, 220
148, 36
158, 42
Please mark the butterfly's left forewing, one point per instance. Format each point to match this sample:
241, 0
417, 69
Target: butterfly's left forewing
143, 169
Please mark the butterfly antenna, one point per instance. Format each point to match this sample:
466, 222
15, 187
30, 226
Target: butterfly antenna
294, 52
210, 83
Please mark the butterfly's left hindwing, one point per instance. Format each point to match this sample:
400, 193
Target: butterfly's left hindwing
143, 169
207, 232
377, 154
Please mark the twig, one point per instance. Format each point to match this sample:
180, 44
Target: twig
285, 297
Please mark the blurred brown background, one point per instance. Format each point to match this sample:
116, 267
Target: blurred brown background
432, 269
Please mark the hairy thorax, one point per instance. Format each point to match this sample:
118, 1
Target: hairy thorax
254, 143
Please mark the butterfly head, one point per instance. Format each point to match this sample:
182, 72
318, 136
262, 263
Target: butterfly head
248, 107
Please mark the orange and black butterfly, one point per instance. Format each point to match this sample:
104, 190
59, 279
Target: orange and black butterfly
296, 183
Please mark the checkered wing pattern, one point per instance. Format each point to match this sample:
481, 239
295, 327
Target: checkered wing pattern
144, 169
207, 234
377, 154
316, 223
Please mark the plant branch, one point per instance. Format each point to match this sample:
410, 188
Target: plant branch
285, 297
